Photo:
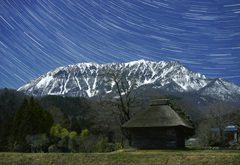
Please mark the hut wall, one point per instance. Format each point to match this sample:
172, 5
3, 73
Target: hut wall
180, 137
154, 138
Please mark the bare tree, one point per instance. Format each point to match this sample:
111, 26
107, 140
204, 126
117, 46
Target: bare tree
123, 101
204, 133
217, 120
234, 119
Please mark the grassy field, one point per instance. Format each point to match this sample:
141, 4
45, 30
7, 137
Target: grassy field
127, 157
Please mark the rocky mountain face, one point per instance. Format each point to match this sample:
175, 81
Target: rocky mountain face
90, 79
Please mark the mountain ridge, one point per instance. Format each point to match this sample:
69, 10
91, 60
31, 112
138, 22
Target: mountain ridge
91, 79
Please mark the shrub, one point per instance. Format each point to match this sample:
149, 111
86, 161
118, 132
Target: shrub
234, 144
37, 142
53, 149
64, 140
104, 146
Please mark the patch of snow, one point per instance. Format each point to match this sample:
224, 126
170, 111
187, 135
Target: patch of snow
135, 62
44, 81
203, 98
79, 86
65, 85
88, 91
109, 91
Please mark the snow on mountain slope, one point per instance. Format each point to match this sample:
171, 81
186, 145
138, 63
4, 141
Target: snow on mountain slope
221, 89
90, 79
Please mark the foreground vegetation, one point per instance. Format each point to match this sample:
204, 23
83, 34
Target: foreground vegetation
69, 124
57, 124
127, 157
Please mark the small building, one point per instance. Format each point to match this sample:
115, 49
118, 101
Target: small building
230, 132
159, 126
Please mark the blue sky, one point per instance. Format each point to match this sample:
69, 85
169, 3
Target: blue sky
37, 36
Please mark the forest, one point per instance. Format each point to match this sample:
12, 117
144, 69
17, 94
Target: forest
74, 124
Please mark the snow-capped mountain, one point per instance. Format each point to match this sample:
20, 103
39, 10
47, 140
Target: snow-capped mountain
90, 79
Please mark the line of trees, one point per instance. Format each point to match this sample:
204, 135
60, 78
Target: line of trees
34, 129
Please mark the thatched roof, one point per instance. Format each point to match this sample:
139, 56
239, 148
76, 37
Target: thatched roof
158, 114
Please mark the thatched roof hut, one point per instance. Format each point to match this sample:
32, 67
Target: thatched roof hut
159, 126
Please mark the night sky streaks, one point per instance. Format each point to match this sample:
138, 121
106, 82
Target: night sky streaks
37, 36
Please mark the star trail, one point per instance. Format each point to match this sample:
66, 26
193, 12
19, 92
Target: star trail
37, 36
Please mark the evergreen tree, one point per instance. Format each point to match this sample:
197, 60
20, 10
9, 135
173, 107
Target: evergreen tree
75, 126
29, 120
66, 122
47, 121
10, 101
5, 133
15, 131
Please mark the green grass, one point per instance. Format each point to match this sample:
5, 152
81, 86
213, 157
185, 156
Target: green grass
127, 157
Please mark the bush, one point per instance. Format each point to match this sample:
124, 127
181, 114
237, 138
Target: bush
53, 149
234, 144
104, 146
64, 140
38, 142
